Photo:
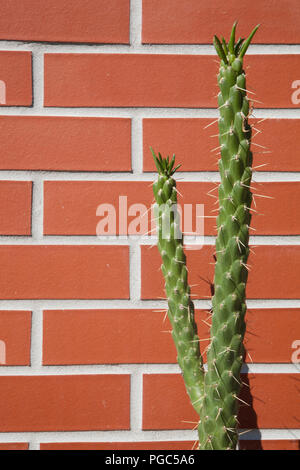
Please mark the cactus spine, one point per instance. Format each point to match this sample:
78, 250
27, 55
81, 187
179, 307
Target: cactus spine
180, 306
215, 393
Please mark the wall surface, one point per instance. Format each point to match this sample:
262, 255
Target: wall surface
87, 361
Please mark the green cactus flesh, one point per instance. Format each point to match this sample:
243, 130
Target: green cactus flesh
215, 392
218, 419
180, 306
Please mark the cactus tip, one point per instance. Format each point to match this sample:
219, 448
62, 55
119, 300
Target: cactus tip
247, 42
228, 52
164, 166
232, 38
219, 49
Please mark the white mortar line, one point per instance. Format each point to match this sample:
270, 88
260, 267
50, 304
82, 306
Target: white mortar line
271, 368
196, 176
135, 272
135, 25
273, 177
135, 369
137, 48
84, 240
142, 436
136, 400
38, 79
147, 112
77, 304
36, 339
136, 146
99, 436
34, 443
273, 303
37, 210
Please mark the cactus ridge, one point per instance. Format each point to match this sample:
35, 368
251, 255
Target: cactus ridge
218, 424
180, 307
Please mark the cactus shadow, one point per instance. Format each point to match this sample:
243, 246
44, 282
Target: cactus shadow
247, 417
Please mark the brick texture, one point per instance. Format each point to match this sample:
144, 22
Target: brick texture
192, 143
64, 403
105, 336
161, 445
86, 87
90, 21
65, 143
268, 278
64, 272
15, 207
15, 78
14, 446
15, 328
139, 80
193, 22
71, 206
279, 444
166, 404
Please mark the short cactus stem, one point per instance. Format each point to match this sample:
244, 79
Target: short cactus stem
180, 306
218, 417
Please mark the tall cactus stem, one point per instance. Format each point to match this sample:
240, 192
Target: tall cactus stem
218, 419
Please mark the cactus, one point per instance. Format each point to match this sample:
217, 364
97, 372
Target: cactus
218, 424
180, 306
215, 393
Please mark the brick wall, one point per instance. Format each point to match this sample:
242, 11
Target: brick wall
85, 88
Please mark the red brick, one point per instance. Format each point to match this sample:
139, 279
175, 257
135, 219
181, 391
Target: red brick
283, 444
15, 327
280, 444
64, 403
16, 75
192, 144
15, 207
64, 272
66, 21
194, 22
72, 336
280, 198
14, 446
270, 334
274, 272
125, 80
157, 445
65, 143
70, 206
274, 402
